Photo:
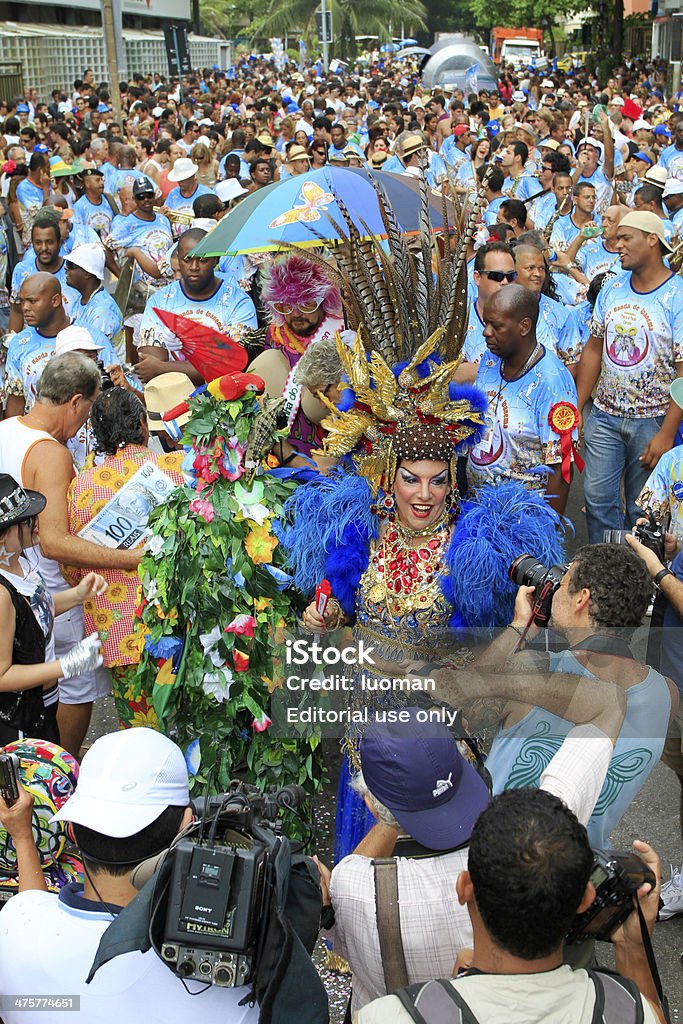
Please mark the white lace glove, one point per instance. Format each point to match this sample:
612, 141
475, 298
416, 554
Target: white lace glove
82, 657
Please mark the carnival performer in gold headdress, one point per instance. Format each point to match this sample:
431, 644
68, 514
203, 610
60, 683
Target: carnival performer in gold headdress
408, 564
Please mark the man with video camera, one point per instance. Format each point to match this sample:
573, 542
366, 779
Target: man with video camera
131, 802
528, 876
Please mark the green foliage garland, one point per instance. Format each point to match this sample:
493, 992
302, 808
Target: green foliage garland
212, 606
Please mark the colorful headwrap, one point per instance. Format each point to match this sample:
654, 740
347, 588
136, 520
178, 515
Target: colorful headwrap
49, 773
293, 279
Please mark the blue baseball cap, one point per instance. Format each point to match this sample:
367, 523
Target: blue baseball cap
23, 108
644, 157
414, 767
493, 127
661, 129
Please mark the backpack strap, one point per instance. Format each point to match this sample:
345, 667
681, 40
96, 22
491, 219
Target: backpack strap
617, 999
436, 1002
389, 924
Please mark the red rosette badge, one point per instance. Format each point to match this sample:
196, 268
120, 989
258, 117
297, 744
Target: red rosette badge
563, 417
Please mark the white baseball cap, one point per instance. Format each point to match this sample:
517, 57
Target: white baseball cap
127, 779
183, 168
547, 83
673, 187
229, 189
90, 257
75, 339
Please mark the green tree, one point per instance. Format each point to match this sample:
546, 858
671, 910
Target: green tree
350, 18
228, 18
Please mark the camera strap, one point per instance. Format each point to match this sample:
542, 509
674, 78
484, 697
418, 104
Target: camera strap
652, 962
604, 643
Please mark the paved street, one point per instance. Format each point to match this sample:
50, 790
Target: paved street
653, 816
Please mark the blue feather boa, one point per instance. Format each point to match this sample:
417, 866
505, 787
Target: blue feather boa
326, 532
329, 525
504, 522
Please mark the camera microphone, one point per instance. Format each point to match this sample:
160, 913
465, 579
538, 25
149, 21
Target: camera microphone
290, 797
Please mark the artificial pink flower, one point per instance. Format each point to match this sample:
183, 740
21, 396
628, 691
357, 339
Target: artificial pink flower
261, 724
242, 625
203, 508
240, 661
202, 467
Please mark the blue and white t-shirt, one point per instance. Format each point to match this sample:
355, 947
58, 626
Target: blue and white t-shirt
29, 352
541, 210
491, 211
229, 310
642, 342
101, 313
603, 188
97, 216
452, 154
558, 331
593, 258
565, 231
519, 443
28, 267
474, 345
30, 197
175, 200
671, 159
152, 236
663, 490
522, 187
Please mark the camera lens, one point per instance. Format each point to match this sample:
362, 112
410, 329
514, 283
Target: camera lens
527, 571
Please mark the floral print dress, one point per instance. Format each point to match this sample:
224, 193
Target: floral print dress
112, 614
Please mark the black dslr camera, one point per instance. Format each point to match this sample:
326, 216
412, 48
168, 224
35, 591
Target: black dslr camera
221, 886
617, 876
527, 571
650, 535
106, 381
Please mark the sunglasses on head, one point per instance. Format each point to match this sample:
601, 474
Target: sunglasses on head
501, 275
285, 308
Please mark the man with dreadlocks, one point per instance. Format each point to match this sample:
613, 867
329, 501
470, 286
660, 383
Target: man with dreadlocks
304, 308
406, 565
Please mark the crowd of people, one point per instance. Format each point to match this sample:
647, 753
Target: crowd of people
435, 417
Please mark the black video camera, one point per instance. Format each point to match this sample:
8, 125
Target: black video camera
617, 876
527, 571
650, 535
221, 886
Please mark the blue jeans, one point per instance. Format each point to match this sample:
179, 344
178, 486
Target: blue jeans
613, 446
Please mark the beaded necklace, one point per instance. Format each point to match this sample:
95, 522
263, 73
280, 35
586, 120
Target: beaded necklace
405, 575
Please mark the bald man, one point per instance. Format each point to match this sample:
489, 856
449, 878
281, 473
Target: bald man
523, 381
31, 349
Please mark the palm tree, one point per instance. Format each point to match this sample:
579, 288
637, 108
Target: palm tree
349, 18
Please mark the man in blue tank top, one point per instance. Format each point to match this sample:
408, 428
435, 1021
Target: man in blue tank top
602, 598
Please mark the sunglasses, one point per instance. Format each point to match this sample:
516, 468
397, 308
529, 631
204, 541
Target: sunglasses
501, 275
285, 308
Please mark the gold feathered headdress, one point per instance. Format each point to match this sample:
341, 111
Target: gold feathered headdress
409, 310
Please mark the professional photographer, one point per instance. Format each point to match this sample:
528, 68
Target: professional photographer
603, 594
131, 801
528, 875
